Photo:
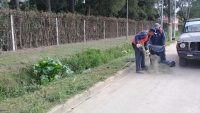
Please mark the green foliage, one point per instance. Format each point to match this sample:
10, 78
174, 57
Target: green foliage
100, 7
194, 11
10, 89
59, 91
94, 57
140, 10
48, 70
88, 59
188, 9
31, 78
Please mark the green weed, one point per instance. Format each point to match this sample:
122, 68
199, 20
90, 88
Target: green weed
94, 57
48, 70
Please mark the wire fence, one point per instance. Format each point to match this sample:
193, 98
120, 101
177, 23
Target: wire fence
20, 30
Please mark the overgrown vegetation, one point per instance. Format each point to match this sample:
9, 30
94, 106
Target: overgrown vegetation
48, 70
15, 66
95, 57
57, 92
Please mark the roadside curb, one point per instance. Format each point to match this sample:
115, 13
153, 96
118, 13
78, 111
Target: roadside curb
80, 98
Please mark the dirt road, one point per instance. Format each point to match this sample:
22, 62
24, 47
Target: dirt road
177, 91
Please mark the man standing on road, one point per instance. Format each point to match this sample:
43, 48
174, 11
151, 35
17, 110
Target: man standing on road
141, 39
159, 40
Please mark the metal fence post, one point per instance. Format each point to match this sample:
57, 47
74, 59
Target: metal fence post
84, 36
13, 34
104, 30
57, 31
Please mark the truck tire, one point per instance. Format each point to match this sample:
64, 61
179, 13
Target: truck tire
182, 62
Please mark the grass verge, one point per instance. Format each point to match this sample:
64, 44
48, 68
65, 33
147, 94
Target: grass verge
58, 92
14, 66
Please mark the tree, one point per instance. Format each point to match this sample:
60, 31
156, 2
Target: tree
107, 8
47, 6
14, 4
132, 10
194, 10
71, 6
149, 8
60, 6
140, 10
185, 6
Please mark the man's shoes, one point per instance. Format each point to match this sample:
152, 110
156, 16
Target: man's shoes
145, 68
140, 72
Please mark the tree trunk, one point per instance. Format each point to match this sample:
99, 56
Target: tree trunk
71, 6
47, 5
88, 11
16, 4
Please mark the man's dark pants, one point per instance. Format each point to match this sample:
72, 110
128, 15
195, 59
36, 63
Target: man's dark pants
139, 57
161, 55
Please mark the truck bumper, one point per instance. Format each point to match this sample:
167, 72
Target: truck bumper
189, 54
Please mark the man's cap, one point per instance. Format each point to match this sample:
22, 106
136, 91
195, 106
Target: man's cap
156, 25
152, 30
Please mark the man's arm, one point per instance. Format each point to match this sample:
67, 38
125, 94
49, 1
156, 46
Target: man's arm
136, 39
163, 38
150, 41
139, 37
146, 45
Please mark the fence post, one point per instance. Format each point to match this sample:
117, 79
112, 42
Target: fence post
117, 30
104, 30
13, 34
57, 31
84, 36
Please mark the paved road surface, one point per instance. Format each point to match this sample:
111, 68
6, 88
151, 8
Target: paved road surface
177, 92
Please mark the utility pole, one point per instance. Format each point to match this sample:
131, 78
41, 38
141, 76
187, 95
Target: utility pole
162, 14
175, 19
127, 21
169, 20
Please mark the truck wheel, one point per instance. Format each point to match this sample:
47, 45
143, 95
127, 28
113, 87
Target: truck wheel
182, 62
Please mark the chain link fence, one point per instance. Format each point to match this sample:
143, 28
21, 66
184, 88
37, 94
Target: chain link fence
20, 30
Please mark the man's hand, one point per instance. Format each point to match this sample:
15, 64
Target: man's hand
164, 45
138, 45
147, 52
